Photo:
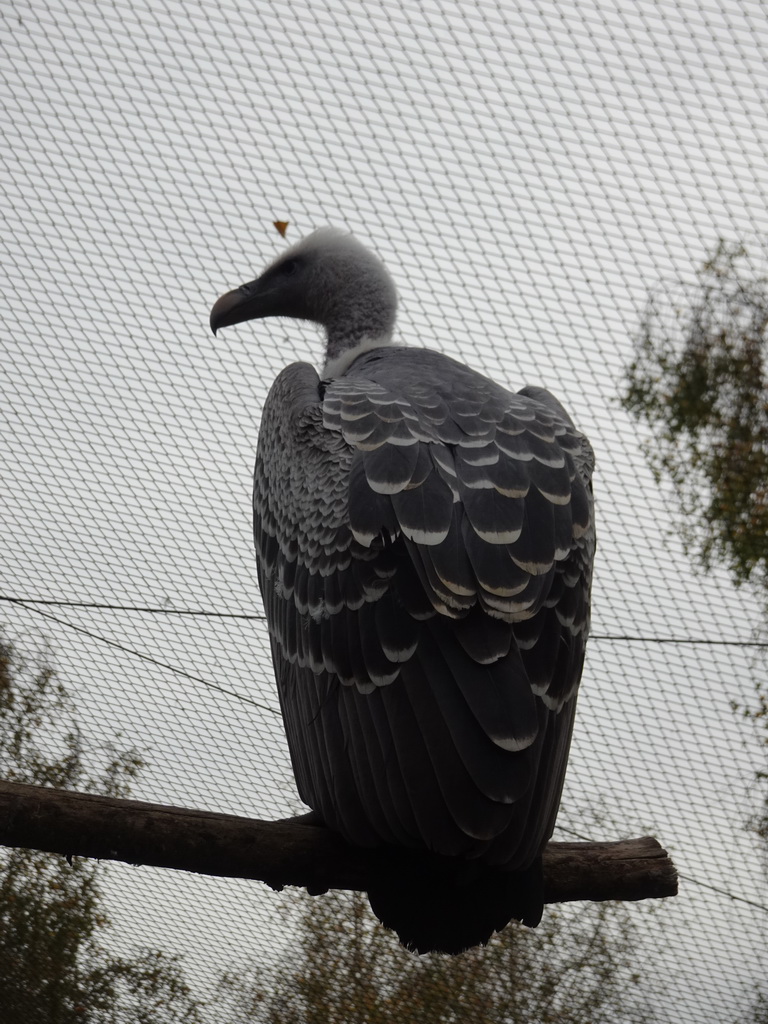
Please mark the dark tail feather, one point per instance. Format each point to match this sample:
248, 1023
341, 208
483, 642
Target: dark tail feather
445, 910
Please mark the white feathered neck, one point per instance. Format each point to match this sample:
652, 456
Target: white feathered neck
343, 286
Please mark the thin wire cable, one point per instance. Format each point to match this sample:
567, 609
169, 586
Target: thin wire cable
256, 617
699, 641
98, 606
154, 661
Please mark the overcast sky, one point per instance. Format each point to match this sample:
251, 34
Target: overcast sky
528, 172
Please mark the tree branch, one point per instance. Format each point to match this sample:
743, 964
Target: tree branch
289, 852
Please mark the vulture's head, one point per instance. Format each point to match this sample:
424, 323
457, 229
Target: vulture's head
329, 278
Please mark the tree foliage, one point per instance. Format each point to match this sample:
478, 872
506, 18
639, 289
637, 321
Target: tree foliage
759, 1013
700, 381
53, 968
344, 968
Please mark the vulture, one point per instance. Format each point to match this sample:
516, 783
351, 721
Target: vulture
424, 543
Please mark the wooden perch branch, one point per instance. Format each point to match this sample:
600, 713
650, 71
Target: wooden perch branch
289, 852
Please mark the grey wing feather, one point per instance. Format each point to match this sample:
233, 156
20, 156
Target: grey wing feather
424, 541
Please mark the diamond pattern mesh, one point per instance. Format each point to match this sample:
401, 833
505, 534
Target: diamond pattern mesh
528, 172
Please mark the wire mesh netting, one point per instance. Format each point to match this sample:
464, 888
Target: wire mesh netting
529, 173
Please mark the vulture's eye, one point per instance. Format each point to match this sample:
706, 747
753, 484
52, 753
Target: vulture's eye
289, 268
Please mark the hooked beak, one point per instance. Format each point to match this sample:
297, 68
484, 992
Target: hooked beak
248, 302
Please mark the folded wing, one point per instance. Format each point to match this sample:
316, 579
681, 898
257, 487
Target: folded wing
425, 541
